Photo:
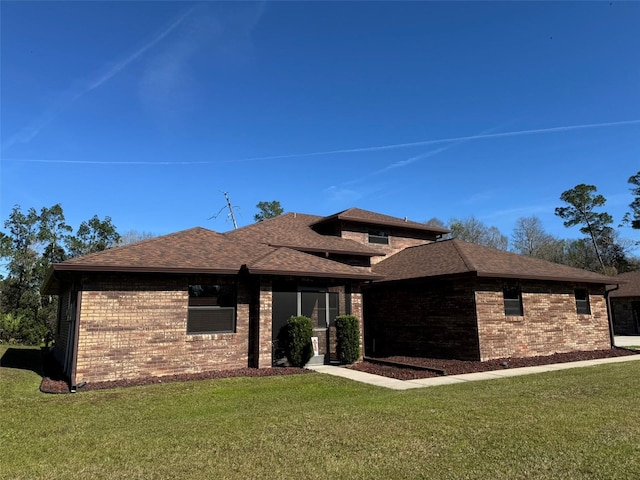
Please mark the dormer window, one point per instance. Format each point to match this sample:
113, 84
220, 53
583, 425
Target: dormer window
379, 237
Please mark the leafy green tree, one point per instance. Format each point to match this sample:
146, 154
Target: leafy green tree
268, 210
30, 243
93, 236
634, 216
52, 232
581, 210
20, 249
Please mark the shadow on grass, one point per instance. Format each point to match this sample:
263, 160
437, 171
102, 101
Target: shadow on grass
23, 359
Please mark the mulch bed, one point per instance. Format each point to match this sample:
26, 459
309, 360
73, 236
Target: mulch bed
410, 368
399, 367
55, 382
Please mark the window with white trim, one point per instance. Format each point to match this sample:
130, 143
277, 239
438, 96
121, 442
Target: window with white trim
212, 309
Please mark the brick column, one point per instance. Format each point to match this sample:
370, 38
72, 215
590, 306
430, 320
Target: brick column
356, 310
265, 323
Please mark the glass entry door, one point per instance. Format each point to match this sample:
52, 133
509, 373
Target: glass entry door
317, 304
322, 309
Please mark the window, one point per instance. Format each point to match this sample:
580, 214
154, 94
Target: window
211, 309
381, 237
582, 301
512, 301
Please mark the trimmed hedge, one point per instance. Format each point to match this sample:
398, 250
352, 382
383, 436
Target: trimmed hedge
297, 340
348, 338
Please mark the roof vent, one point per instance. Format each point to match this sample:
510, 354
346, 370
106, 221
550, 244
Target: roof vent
406, 219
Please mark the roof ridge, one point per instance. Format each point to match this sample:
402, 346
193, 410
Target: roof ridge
465, 259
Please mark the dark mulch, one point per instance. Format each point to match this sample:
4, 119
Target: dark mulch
401, 367
54, 381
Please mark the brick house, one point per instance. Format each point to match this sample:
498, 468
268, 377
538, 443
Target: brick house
198, 300
625, 304
455, 299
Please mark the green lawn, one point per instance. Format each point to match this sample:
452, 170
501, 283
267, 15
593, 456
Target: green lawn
572, 424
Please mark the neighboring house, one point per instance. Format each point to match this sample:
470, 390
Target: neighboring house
625, 304
198, 300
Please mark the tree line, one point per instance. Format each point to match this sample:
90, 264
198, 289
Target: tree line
32, 241
601, 249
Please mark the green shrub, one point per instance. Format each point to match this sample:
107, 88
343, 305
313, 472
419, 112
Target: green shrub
297, 340
348, 338
17, 327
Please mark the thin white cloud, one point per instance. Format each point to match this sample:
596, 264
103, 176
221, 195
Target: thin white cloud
103, 162
447, 140
85, 86
375, 148
218, 34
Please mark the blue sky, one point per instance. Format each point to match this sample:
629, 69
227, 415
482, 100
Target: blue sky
148, 111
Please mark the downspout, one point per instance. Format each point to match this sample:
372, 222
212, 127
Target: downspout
76, 337
610, 313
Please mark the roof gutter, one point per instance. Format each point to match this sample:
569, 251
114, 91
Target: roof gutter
607, 299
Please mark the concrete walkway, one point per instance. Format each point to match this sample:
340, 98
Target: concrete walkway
394, 384
627, 340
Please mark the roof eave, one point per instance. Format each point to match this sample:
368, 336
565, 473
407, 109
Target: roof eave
552, 278
134, 269
301, 248
301, 273
412, 226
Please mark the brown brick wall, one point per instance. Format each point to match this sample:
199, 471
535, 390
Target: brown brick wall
428, 318
265, 342
549, 323
624, 320
398, 240
135, 328
356, 310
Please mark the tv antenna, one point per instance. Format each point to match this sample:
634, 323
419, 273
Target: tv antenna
230, 207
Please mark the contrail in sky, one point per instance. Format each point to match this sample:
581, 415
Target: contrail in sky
447, 140
394, 146
74, 93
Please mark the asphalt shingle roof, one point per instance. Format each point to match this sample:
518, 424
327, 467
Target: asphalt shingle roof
454, 256
630, 287
199, 250
359, 215
293, 230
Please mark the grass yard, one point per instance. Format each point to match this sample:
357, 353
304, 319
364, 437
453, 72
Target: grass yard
572, 424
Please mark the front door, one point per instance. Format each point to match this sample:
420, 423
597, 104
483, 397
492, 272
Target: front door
317, 304
322, 308
635, 308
